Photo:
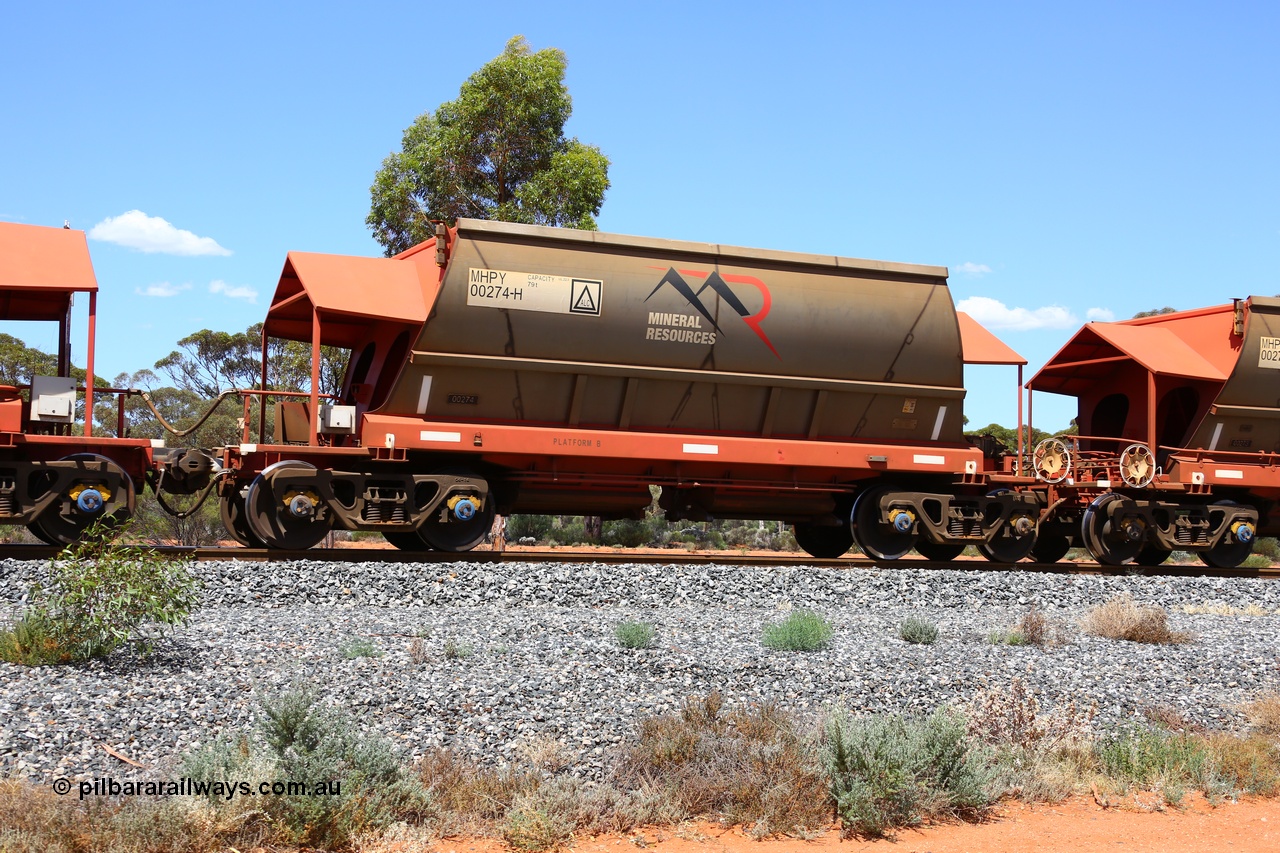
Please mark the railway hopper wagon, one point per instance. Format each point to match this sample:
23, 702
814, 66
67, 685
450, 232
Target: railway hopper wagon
1179, 416
56, 475
509, 368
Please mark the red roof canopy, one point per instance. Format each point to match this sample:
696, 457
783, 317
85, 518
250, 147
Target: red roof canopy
980, 346
1157, 347
40, 268
349, 291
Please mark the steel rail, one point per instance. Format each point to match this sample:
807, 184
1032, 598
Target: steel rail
675, 557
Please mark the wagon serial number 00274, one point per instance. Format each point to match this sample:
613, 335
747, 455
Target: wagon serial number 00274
496, 291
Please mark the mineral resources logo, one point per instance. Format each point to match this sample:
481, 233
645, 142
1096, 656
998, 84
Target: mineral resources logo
687, 328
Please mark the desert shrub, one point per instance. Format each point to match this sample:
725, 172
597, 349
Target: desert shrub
1152, 759
571, 533
153, 525
915, 629
528, 526
35, 820
454, 650
1121, 618
466, 794
760, 536
634, 635
801, 631
1033, 629
100, 596
31, 641
1256, 561
748, 765
1245, 765
1268, 547
626, 532
1010, 717
892, 771
299, 740
530, 826
358, 647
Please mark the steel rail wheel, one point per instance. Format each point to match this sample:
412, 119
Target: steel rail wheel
1230, 550
452, 534
1050, 547
290, 521
1109, 547
1013, 540
231, 509
406, 540
940, 551
880, 541
826, 542
90, 500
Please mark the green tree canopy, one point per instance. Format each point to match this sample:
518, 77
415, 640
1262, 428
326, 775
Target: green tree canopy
497, 152
210, 362
1155, 312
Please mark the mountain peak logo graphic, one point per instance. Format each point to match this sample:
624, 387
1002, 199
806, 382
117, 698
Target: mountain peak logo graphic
720, 285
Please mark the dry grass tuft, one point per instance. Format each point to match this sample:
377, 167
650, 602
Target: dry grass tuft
1122, 618
1171, 719
1264, 714
469, 795
1009, 717
748, 765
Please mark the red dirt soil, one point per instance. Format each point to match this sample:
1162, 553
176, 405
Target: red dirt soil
1079, 826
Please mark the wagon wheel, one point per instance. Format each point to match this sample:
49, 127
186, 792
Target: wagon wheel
231, 508
445, 532
824, 541
290, 520
406, 540
879, 541
1050, 547
1013, 539
1152, 555
1137, 466
940, 552
1108, 546
1230, 550
1051, 460
64, 521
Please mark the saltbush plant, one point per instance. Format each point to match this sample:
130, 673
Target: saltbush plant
100, 595
634, 635
801, 631
890, 771
916, 629
300, 740
359, 647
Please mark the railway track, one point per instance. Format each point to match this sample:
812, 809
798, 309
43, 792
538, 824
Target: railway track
724, 558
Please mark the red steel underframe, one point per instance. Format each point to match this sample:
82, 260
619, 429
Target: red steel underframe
597, 449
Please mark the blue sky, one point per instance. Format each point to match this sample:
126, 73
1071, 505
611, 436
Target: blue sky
1067, 163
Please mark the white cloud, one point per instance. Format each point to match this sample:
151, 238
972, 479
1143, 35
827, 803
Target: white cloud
162, 289
153, 235
969, 268
994, 314
1101, 315
233, 291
